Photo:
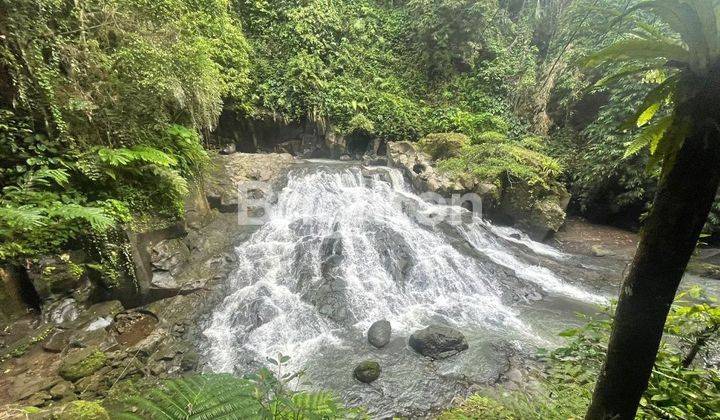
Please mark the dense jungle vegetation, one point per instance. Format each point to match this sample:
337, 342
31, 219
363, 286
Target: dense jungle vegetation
103, 101
107, 110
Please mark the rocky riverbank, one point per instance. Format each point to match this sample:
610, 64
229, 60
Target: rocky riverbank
540, 213
79, 344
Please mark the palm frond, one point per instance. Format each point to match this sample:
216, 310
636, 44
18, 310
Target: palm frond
684, 18
636, 49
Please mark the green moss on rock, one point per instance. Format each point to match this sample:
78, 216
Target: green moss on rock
82, 364
83, 410
444, 145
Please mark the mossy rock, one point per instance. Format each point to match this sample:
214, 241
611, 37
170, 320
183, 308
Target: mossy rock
367, 371
81, 364
444, 145
83, 410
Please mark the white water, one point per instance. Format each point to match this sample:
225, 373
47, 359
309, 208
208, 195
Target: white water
290, 295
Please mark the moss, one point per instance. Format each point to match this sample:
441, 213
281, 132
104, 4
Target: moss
478, 407
83, 364
83, 410
491, 137
444, 145
494, 163
22, 347
32, 410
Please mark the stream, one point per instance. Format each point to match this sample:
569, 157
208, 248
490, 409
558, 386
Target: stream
344, 247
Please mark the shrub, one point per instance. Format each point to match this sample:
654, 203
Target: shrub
681, 386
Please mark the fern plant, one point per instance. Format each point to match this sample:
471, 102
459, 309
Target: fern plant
685, 60
262, 395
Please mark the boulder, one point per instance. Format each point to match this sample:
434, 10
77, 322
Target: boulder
379, 333
62, 390
438, 341
367, 371
12, 301
417, 166
228, 149
538, 213
230, 172
82, 363
57, 275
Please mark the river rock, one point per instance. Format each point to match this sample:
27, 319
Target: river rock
438, 341
367, 371
601, 251
379, 333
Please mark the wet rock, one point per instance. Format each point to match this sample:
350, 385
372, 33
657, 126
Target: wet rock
379, 333
438, 341
167, 259
57, 342
235, 171
601, 251
396, 254
367, 371
417, 166
228, 149
62, 390
189, 361
345, 157
102, 310
169, 255
61, 311
82, 363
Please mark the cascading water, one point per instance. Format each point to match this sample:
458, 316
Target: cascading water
343, 247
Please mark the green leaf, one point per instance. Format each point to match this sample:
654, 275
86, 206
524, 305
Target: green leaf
649, 136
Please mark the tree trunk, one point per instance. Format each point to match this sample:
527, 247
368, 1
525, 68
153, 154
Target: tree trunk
682, 203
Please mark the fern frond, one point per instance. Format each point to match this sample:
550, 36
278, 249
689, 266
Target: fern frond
649, 137
95, 216
200, 397
143, 154
631, 49
22, 217
698, 32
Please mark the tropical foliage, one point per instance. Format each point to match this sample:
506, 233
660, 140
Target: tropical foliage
682, 386
263, 395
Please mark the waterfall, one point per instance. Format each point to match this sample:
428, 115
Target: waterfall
340, 249
343, 248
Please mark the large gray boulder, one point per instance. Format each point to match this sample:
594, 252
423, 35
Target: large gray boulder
438, 341
379, 333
